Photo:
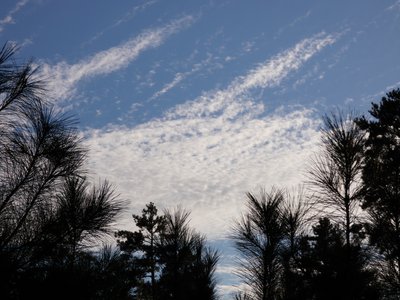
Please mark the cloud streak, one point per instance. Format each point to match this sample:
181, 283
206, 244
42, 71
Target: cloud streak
267, 74
63, 77
180, 76
177, 79
9, 18
394, 6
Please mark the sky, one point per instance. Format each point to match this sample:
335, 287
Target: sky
194, 103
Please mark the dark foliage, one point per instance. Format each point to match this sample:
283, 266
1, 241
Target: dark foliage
48, 217
188, 264
335, 171
381, 177
141, 248
332, 270
339, 258
173, 259
267, 239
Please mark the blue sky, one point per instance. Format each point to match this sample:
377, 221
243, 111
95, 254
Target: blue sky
194, 103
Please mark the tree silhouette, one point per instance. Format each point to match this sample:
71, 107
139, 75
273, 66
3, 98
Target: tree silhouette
19, 89
102, 275
151, 226
381, 176
142, 247
267, 240
172, 257
80, 216
296, 216
113, 278
335, 172
188, 264
331, 269
335, 176
38, 148
47, 214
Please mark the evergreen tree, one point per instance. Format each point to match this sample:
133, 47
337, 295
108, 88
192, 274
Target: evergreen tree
188, 264
173, 259
381, 176
47, 215
142, 248
335, 172
335, 176
267, 239
331, 269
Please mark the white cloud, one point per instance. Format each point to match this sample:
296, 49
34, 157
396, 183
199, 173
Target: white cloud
63, 77
394, 6
381, 93
9, 18
206, 161
180, 76
177, 79
205, 164
267, 74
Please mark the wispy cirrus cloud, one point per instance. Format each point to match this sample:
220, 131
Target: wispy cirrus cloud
63, 77
180, 76
394, 6
9, 18
206, 161
294, 23
381, 93
177, 79
270, 73
125, 18
266, 74
130, 14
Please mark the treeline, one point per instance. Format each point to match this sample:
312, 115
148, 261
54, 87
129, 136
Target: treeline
337, 239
